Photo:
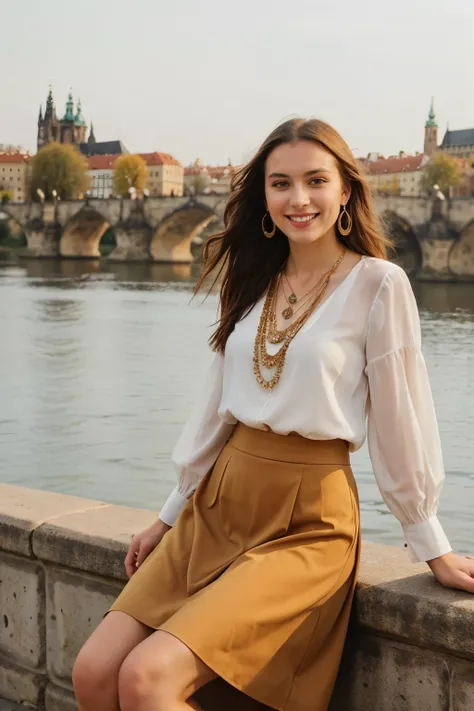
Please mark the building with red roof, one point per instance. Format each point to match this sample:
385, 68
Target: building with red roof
165, 174
14, 174
398, 175
101, 172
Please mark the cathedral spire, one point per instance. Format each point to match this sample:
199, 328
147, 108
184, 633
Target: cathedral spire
50, 112
91, 138
69, 115
40, 117
431, 115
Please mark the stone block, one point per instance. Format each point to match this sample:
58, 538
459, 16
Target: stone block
95, 540
22, 510
21, 685
22, 610
462, 685
387, 675
10, 706
404, 600
59, 699
75, 605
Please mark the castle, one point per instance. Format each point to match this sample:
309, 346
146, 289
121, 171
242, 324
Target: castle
72, 128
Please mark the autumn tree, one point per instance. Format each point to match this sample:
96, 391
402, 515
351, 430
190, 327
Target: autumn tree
442, 170
130, 172
59, 167
5, 196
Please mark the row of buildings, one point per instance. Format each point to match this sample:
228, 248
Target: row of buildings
401, 174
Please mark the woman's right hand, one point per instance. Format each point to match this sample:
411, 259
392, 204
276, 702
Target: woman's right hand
142, 545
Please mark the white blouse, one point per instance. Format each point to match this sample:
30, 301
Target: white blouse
357, 358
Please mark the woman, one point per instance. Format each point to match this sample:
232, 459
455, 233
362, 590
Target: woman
248, 575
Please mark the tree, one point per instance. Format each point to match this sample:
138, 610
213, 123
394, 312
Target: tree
442, 170
5, 196
130, 172
59, 167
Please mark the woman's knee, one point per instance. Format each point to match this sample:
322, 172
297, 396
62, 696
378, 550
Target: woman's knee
143, 677
95, 671
89, 675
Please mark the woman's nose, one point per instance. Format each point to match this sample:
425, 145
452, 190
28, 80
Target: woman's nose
299, 197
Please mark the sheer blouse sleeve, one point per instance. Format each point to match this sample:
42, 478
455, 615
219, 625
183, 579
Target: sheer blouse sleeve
199, 444
403, 437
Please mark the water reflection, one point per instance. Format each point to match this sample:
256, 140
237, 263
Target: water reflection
453, 300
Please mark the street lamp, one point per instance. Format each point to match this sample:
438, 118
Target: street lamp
40, 194
438, 193
132, 192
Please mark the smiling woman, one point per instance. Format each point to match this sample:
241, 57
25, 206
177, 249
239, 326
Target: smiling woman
247, 578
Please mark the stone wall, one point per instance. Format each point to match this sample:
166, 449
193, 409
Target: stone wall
411, 646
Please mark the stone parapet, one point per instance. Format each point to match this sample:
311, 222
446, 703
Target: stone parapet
411, 644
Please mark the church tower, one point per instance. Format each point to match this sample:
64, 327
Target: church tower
48, 125
431, 133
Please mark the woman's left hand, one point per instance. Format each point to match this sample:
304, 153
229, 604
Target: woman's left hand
454, 571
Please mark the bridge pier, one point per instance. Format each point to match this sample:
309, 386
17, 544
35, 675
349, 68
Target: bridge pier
43, 240
133, 242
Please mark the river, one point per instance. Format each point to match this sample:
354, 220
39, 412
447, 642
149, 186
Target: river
101, 362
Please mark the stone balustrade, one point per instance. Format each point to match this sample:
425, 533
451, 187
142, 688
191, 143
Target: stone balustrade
411, 645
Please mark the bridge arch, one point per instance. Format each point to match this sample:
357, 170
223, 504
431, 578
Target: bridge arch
406, 247
172, 239
82, 234
461, 254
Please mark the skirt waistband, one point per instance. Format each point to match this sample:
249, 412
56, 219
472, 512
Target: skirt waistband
291, 448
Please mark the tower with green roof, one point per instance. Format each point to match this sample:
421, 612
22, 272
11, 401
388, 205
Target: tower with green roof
431, 132
72, 125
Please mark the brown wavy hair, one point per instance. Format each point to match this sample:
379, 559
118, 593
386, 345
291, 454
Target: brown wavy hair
247, 261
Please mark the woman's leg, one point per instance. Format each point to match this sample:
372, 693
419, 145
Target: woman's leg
96, 669
161, 674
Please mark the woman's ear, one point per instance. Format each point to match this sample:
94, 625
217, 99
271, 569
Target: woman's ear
345, 195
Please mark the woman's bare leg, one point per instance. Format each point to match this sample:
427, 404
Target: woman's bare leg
96, 669
161, 674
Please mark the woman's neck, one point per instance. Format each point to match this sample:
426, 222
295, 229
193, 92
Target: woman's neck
307, 260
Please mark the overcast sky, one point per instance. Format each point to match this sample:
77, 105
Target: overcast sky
211, 78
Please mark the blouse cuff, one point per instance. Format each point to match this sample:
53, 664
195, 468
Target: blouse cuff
426, 540
173, 506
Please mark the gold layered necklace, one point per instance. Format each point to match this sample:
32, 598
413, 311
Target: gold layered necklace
292, 299
268, 329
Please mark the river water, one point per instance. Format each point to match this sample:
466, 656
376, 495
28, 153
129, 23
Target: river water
101, 363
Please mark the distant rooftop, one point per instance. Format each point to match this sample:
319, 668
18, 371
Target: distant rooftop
102, 148
101, 162
463, 137
158, 158
396, 164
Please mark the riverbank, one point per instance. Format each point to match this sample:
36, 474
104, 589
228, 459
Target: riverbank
411, 646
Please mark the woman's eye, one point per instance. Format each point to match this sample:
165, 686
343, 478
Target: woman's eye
317, 181
280, 184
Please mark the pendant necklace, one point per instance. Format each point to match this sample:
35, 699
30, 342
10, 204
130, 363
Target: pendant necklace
292, 298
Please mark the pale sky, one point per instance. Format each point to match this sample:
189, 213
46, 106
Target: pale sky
211, 78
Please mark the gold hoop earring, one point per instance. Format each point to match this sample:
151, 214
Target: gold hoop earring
271, 234
344, 230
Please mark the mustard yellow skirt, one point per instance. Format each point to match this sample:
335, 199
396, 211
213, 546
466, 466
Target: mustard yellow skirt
257, 576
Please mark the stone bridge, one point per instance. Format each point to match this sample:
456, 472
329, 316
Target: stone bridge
433, 239
159, 229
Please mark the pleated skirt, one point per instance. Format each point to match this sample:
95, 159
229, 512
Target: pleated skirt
257, 576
